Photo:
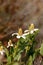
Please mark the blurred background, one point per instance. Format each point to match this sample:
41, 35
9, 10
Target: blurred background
20, 13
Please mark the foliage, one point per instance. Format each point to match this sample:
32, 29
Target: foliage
23, 52
41, 49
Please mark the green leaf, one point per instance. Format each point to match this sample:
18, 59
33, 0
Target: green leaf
11, 50
16, 63
22, 40
41, 49
6, 52
17, 57
9, 59
34, 56
30, 61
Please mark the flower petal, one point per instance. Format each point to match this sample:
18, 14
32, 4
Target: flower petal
18, 36
31, 32
7, 46
25, 34
26, 31
36, 29
14, 34
23, 37
11, 44
1, 53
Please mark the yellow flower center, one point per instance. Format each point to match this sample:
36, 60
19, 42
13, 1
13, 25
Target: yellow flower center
20, 31
31, 27
1, 48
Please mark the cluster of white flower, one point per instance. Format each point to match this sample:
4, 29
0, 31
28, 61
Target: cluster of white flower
19, 35
2, 51
26, 32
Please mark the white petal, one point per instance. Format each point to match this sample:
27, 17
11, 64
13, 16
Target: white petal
14, 34
7, 46
25, 34
36, 29
11, 44
31, 32
26, 31
23, 37
1, 53
18, 36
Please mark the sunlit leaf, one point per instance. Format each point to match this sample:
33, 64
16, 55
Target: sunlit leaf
16, 63
30, 61
41, 49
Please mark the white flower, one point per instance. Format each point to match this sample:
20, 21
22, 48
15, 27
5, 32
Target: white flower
31, 32
1, 50
31, 29
10, 44
19, 34
26, 32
